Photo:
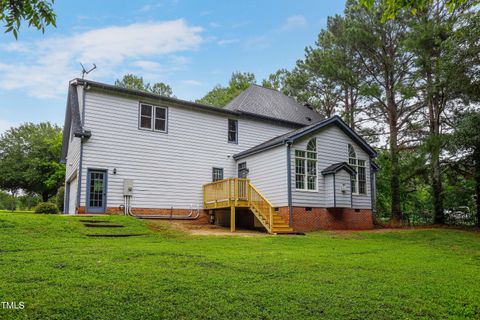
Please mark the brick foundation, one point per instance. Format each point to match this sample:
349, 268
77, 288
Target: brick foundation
328, 218
303, 221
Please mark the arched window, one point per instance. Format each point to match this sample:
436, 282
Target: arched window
306, 167
359, 179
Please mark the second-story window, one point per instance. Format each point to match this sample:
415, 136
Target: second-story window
153, 118
232, 131
160, 119
146, 116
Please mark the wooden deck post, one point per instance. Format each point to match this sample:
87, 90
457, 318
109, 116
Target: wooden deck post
232, 219
270, 217
235, 191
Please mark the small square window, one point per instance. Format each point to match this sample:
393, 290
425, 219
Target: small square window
217, 174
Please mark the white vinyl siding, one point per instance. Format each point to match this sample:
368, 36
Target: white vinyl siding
343, 199
267, 172
332, 147
168, 169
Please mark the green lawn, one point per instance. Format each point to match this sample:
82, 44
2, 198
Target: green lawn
50, 264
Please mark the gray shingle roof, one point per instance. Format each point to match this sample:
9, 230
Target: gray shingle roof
334, 168
272, 103
298, 133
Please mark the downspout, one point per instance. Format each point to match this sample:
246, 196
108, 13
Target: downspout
334, 192
373, 190
80, 163
289, 182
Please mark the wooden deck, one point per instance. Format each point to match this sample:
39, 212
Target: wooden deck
240, 193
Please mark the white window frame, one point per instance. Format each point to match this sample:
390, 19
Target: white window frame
154, 116
353, 161
305, 159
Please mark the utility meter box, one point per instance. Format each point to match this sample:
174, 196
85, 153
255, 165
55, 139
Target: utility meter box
128, 187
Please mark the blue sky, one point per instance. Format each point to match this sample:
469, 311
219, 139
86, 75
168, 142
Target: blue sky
191, 45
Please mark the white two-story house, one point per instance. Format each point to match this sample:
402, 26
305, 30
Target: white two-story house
263, 160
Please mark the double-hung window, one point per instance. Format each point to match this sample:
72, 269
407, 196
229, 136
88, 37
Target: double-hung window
153, 118
306, 167
232, 131
359, 179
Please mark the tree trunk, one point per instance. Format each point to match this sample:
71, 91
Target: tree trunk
435, 149
477, 184
437, 188
396, 216
13, 206
45, 196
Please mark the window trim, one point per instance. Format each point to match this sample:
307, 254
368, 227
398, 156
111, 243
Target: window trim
228, 131
239, 170
213, 173
152, 120
355, 167
305, 160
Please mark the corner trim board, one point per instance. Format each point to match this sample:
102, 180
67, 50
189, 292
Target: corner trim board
289, 183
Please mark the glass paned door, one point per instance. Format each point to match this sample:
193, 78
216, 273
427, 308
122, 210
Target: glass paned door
96, 191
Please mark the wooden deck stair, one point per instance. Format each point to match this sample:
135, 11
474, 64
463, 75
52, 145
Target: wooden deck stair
279, 225
240, 193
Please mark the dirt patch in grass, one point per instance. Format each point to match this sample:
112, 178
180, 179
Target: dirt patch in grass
193, 228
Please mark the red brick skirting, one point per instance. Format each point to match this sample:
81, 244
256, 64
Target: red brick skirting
303, 220
328, 219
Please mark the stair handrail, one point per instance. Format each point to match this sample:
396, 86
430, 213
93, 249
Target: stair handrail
268, 216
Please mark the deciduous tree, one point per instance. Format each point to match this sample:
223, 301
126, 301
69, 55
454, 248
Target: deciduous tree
30, 159
131, 81
220, 96
37, 13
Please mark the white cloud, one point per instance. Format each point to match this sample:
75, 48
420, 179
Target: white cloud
227, 41
294, 22
257, 43
192, 82
5, 125
147, 65
47, 65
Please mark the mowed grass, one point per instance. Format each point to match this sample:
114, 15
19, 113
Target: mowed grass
50, 264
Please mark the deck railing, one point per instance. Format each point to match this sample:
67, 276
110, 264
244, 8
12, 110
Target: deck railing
233, 192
